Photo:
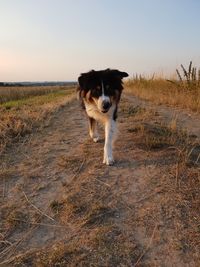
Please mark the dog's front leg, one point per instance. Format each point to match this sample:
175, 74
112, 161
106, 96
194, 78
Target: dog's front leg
110, 129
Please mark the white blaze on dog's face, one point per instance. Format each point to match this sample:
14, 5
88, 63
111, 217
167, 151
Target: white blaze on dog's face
102, 100
102, 88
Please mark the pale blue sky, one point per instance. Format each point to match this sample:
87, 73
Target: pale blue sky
58, 39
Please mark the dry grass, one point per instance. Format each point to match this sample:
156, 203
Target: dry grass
15, 93
161, 91
183, 93
109, 206
19, 117
156, 136
153, 134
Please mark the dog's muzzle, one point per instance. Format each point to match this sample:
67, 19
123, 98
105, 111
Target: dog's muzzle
106, 106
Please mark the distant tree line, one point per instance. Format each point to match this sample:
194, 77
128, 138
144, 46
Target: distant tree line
37, 84
10, 84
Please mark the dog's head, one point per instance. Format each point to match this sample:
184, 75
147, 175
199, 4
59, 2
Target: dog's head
101, 87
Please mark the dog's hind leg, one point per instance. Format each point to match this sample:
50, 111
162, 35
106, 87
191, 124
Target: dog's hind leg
93, 129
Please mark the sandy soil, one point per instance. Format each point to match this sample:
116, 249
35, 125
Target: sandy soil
56, 194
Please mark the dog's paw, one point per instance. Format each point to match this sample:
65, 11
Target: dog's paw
108, 161
96, 139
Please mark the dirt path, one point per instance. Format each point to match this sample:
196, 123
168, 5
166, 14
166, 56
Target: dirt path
61, 206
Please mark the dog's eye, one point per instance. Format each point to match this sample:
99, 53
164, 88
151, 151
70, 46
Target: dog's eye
96, 92
109, 90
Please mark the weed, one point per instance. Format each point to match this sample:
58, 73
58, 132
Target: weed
56, 206
99, 215
158, 136
193, 155
132, 110
17, 218
190, 79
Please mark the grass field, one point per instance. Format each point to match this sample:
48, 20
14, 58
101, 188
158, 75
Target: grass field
183, 92
24, 108
15, 93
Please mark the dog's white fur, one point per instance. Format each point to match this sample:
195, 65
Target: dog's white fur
94, 111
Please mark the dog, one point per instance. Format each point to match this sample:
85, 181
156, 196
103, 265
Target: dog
100, 92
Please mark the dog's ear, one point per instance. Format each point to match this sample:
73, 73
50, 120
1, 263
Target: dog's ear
119, 74
116, 77
83, 87
85, 80
123, 74
82, 81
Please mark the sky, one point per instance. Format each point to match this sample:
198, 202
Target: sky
56, 40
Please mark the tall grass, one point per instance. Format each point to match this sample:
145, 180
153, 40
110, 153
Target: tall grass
189, 79
184, 91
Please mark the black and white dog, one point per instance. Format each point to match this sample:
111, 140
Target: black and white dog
100, 93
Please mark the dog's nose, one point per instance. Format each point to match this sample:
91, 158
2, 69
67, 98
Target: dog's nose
106, 105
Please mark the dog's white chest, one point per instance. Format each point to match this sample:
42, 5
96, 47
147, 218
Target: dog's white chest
94, 112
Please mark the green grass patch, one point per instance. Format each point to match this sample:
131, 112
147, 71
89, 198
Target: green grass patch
37, 100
